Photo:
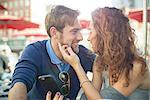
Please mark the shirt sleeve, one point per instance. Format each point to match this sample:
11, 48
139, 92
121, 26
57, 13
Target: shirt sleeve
27, 67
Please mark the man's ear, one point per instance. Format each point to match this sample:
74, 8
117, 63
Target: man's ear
52, 31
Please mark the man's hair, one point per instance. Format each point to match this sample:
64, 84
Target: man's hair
59, 16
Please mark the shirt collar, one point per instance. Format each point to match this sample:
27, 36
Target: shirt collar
54, 59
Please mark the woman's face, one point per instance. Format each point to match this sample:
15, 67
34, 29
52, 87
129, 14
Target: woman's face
92, 37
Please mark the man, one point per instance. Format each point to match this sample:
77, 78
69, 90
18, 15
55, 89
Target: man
44, 57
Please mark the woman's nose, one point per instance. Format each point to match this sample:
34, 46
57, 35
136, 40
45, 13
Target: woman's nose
89, 37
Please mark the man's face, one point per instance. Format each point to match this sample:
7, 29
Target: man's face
71, 36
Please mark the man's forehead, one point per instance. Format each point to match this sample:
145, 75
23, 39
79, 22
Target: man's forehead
75, 29
76, 26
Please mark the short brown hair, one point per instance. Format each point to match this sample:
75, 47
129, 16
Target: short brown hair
59, 16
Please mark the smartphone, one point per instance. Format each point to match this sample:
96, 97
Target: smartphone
48, 83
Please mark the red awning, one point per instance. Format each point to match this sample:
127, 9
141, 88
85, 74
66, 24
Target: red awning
138, 15
12, 22
2, 7
30, 34
84, 23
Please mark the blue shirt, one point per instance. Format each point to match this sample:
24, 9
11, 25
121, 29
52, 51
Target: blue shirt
35, 61
54, 59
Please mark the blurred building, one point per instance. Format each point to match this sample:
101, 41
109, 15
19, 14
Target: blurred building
138, 4
19, 8
135, 6
129, 3
139, 29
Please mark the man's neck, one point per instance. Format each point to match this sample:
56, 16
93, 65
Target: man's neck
56, 49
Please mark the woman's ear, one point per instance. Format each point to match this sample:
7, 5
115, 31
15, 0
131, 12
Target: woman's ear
52, 31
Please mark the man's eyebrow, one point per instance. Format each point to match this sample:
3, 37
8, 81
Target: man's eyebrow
75, 29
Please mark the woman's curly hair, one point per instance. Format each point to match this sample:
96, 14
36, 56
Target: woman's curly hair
115, 42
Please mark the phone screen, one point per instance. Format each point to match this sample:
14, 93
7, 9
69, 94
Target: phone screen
48, 83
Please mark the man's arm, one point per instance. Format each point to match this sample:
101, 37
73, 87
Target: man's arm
25, 73
18, 92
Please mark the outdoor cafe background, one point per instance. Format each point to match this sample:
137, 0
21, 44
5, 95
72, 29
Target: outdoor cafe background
22, 21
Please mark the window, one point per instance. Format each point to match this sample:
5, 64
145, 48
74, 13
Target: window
11, 5
16, 4
21, 3
21, 13
5, 4
148, 3
27, 3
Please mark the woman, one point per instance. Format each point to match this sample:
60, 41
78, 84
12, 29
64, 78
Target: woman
126, 75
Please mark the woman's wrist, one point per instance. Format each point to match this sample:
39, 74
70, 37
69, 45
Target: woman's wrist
77, 66
95, 72
85, 81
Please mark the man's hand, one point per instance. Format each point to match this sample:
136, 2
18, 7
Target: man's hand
18, 92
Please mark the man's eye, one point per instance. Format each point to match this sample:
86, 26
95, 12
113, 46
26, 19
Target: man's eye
74, 32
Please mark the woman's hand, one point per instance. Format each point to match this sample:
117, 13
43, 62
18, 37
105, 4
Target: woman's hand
57, 96
69, 56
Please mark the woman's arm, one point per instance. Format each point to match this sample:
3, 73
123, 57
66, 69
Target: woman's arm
73, 60
97, 77
90, 91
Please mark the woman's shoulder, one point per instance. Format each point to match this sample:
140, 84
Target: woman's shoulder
139, 63
141, 71
139, 66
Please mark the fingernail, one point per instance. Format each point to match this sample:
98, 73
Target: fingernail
49, 92
58, 93
62, 97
